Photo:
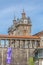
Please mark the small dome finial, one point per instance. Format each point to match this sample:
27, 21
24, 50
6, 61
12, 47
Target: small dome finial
23, 14
23, 11
14, 17
14, 20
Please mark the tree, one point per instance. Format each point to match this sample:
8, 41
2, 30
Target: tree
30, 61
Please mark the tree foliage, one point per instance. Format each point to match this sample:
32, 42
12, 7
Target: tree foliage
30, 61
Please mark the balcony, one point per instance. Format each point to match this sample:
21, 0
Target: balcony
38, 54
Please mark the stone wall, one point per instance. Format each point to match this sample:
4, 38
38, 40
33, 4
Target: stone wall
18, 57
21, 51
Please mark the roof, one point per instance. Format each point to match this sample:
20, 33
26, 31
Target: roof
12, 36
39, 34
41, 47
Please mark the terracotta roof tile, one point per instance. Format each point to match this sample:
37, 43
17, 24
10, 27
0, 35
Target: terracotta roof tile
40, 47
39, 34
12, 36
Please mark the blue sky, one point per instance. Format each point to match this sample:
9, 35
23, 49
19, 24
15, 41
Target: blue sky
33, 9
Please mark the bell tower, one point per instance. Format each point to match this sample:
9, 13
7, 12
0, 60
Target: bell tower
21, 27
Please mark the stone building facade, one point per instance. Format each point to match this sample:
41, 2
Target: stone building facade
21, 26
21, 41
38, 52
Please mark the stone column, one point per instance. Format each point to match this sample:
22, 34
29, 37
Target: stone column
14, 43
26, 44
40, 61
0, 42
22, 43
9, 44
30, 51
30, 44
19, 43
38, 44
41, 41
4, 43
2, 57
35, 44
27, 55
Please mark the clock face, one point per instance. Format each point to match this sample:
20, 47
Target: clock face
25, 21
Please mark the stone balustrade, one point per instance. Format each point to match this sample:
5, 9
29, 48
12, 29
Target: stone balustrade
15, 43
